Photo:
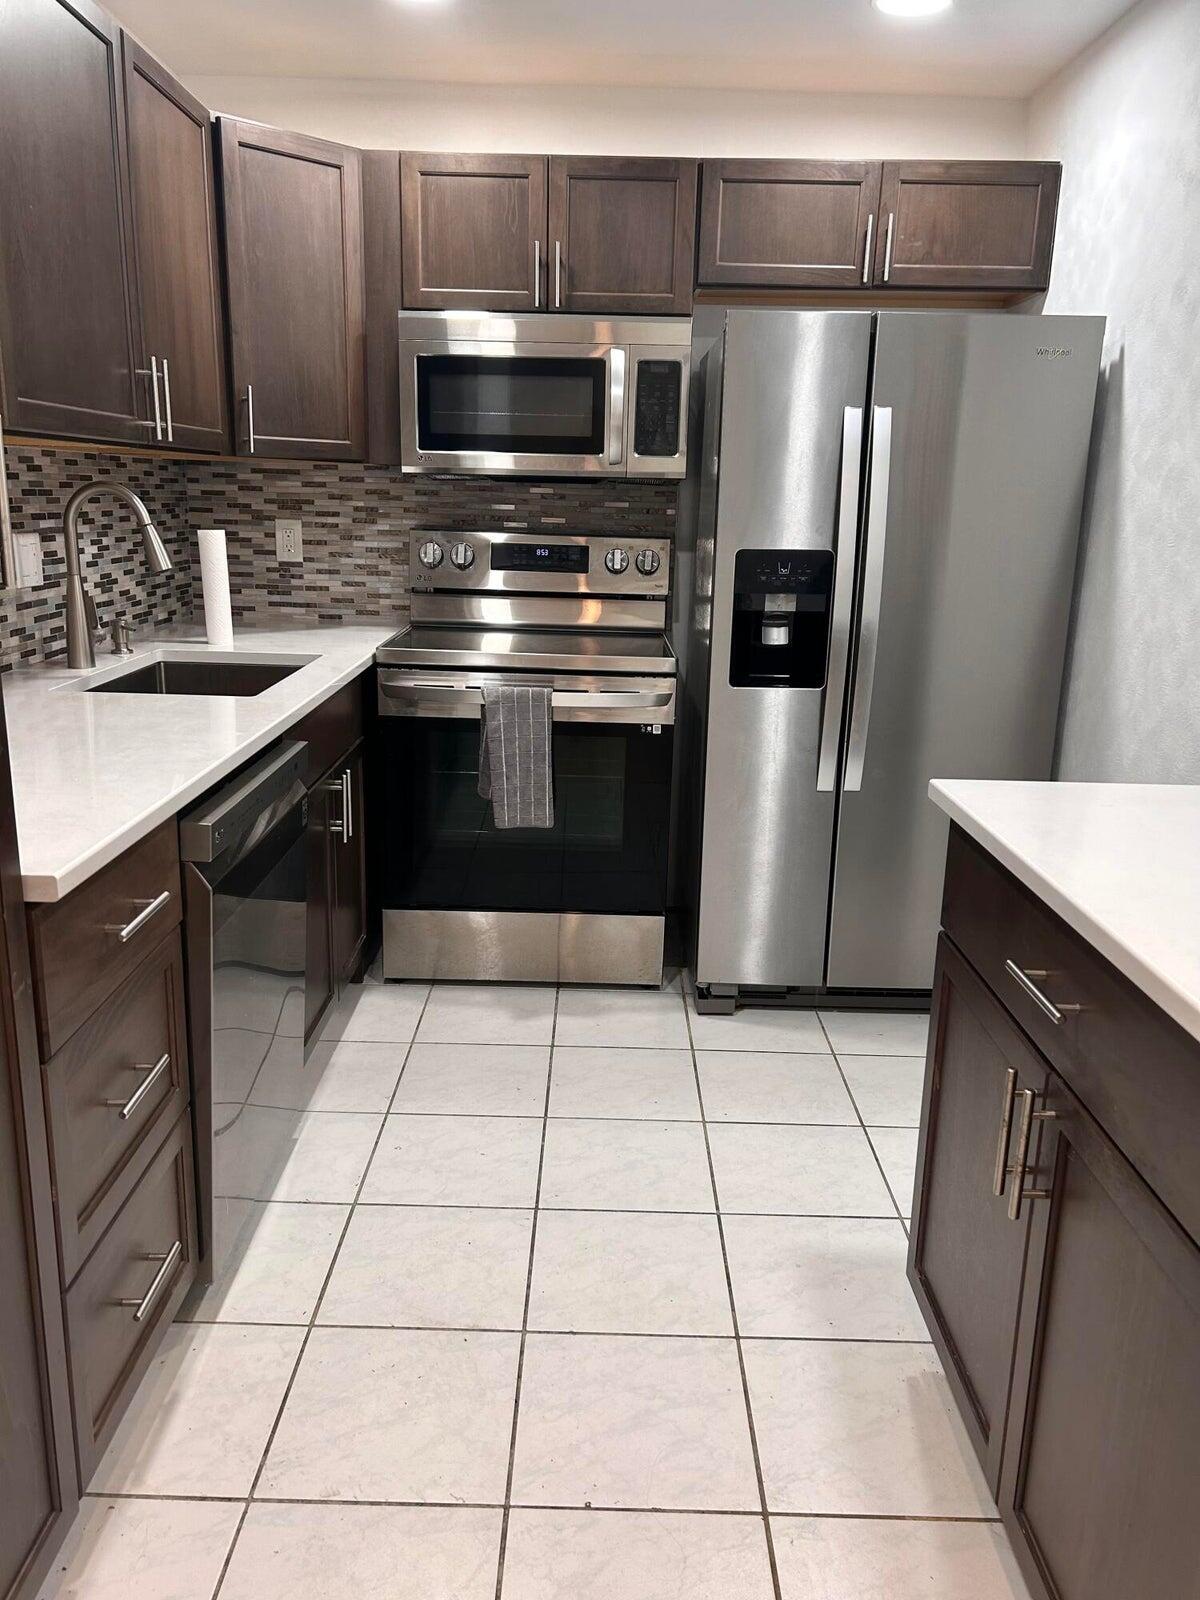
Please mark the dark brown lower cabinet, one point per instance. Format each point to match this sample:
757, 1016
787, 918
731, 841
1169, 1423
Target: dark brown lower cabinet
968, 1258
1102, 1468
1066, 1309
337, 886
38, 1484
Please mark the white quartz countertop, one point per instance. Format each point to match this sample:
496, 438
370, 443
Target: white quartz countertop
93, 773
1119, 862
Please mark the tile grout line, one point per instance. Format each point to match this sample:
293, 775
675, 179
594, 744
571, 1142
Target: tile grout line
249, 1499
866, 1132
537, 1195
737, 1338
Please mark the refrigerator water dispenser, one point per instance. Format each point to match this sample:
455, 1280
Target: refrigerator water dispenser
780, 630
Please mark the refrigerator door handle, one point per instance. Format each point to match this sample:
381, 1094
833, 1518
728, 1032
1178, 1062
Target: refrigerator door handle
868, 632
843, 597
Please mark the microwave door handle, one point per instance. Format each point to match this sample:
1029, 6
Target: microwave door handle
843, 597
868, 634
616, 406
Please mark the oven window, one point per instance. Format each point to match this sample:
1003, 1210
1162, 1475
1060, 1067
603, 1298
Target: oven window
607, 851
520, 405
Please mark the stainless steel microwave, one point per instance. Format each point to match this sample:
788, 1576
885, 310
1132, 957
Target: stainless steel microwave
573, 396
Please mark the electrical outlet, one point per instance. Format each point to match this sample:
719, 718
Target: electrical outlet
289, 539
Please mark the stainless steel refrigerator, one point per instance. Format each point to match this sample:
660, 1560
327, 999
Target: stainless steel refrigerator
874, 574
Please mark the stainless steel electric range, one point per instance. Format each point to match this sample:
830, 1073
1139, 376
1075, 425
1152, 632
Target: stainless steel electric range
585, 900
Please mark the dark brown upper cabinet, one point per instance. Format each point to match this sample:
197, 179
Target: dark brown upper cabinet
294, 259
176, 254
474, 231
621, 234
69, 340
788, 224
966, 224
531, 233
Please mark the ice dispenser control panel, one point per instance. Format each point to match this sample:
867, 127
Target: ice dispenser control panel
780, 632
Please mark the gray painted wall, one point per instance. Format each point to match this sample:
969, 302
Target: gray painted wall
1124, 119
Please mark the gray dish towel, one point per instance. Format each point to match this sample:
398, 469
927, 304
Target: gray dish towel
515, 757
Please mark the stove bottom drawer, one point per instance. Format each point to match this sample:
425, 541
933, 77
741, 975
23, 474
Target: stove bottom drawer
523, 946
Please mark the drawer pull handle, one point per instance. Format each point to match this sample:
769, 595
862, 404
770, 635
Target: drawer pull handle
1019, 1192
126, 1108
1025, 976
169, 1263
1006, 1112
150, 909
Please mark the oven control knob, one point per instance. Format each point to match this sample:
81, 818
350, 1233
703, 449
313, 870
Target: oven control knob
462, 555
430, 554
648, 562
617, 559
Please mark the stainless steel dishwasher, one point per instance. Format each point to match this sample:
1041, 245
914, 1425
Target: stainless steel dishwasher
245, 905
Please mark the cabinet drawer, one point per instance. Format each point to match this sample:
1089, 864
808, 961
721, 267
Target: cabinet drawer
84, 946
113, 1089
1133, 1068
332, 728
127, 1293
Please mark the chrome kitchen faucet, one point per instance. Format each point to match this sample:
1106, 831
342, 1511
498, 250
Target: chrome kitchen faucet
82, 621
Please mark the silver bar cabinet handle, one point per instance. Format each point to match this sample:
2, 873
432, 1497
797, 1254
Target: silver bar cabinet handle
347, 807
150, 909
537, 274
557, 274
337, 825
169, 1262
250, 414
872, 597
1019, 1192
1006, 1113
616, 406
151, 372
1024, 976
153, 1074
166, 373
866, 278
887, 249
843, 596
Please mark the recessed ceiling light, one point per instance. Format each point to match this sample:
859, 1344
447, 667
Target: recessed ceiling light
912, 8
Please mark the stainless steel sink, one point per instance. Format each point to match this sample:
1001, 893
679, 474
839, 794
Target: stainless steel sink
237, 679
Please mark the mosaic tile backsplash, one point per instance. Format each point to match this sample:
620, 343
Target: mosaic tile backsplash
356, 522
40, 482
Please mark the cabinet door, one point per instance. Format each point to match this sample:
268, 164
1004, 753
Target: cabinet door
171, 180
966, 224
319, 982
349, 901
474, 232
293, 237
966, 1258
1103, 1454
622, 234
68, 346
788, 224
37, 1473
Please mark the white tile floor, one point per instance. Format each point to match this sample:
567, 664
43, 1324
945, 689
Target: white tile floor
557, 1296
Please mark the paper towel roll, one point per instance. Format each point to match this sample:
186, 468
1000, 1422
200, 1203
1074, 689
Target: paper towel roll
214, 577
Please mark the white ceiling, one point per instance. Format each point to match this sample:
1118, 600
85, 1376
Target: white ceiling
989, 47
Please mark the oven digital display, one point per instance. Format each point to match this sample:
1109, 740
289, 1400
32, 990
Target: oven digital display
539, 558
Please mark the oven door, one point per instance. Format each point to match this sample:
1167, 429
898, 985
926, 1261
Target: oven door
607, 850
491, 407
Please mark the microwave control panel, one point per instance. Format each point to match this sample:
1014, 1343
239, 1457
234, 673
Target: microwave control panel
656, 408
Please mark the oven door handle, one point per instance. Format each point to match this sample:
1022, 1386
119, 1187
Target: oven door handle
564, 702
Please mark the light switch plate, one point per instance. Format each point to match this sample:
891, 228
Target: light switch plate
29, 572
289, 539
